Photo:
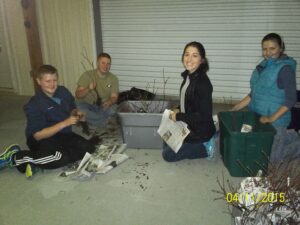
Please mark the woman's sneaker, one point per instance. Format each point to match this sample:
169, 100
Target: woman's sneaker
7, 155
210, 147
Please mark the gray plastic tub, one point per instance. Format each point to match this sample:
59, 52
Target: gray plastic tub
140, 121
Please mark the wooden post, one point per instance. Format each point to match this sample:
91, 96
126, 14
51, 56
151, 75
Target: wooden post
33, 38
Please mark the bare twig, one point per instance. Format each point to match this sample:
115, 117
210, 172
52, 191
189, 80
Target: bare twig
283, 179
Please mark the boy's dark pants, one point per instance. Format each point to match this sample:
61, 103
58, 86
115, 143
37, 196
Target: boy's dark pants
54, 152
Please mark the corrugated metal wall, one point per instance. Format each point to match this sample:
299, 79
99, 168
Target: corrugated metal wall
66, 29
146, 39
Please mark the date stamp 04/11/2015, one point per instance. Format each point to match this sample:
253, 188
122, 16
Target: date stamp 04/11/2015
262, 197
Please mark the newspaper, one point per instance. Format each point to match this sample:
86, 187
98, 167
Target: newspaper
252, 194
173, 133
103, 160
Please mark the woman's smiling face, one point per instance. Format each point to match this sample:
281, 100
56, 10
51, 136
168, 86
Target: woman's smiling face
271, 49
191, 59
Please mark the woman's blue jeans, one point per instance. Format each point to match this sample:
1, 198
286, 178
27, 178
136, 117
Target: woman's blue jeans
187, 151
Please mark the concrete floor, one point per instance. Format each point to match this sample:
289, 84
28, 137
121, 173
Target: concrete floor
143, 190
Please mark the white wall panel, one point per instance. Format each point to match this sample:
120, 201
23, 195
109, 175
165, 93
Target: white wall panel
146, 37
5, 71
16, 45
66, 33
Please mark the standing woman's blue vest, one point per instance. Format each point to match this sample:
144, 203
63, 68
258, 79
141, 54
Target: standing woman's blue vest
266, 97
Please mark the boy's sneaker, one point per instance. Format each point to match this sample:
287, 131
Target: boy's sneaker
29, 171
7, 155
210, 148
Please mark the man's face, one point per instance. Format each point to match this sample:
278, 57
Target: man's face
48, 83
103, 64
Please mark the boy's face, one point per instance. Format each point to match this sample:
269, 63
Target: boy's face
48, 83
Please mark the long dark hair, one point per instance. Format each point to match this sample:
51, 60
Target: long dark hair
204, 65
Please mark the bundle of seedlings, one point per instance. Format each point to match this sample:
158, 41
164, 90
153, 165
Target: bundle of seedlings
273, 199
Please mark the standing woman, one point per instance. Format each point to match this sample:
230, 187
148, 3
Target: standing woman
195, 107
273, 84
